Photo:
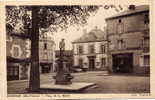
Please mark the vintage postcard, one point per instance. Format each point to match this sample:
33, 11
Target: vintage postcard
77, 49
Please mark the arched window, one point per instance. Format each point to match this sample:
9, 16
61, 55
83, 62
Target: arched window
16, 51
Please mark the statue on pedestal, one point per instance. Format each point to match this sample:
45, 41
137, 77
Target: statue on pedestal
62, 47
63, 75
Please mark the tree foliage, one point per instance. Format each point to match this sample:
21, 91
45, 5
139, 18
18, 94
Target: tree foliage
17, 19
31, 19
52, 18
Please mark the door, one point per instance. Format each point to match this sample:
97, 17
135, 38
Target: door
91, 63
12, 73
123, 63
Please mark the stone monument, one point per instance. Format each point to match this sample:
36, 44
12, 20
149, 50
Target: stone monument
63, 76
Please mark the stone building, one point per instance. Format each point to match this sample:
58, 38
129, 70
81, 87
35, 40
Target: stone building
18, 55
128, 40
90, 50
46, 53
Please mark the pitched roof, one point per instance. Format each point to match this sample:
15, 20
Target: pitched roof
137, 9
92, 36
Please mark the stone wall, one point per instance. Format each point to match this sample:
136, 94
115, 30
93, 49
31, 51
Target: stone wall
130, 30
130, 23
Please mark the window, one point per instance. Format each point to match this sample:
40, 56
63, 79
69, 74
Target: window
120, 28
97, 63
81, 62
119, 21
91, 49
103, 61
102, 49
45, 46
146, 60
146, 42
145, 45
16, 51
120, 44
45, 56
146, 22
146, 19
12, 72
80, 49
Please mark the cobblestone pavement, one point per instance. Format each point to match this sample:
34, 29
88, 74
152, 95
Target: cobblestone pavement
104, 83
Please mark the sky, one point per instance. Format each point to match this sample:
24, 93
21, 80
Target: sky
73, 33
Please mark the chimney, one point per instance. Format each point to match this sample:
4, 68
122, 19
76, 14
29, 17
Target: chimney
132, 7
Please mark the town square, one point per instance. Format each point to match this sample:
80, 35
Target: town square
78, 49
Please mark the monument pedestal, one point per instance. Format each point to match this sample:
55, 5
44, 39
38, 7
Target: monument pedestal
63, 76
63, 79
74, 87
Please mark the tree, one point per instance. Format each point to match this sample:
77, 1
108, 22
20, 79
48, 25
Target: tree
47, 17
50, 18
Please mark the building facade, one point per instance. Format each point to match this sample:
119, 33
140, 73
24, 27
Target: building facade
128, 41
90, 50
18, 55
19, 51
46, 54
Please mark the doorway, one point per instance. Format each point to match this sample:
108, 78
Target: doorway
12, 73
123, 63
91, 63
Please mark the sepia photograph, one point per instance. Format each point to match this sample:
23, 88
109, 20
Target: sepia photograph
76, 50
84, 49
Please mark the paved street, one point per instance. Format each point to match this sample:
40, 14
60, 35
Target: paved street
104, 83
